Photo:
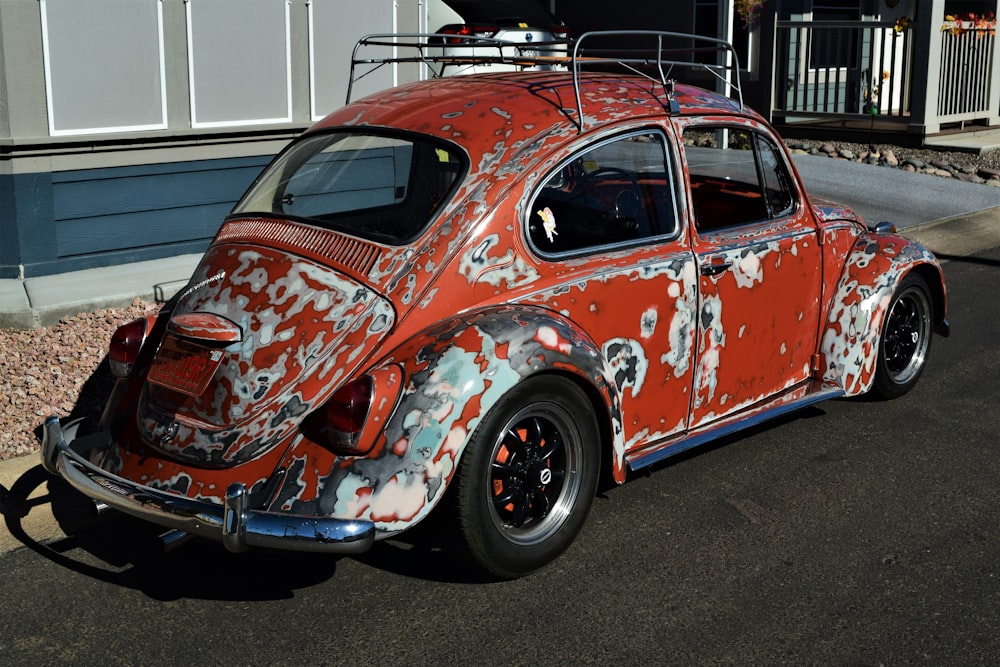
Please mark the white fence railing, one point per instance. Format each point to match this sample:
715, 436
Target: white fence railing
842, 68
964, 81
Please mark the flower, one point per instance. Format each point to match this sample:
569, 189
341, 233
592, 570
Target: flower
748, 10
982, 24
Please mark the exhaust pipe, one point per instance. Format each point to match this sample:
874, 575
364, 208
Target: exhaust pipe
173, 539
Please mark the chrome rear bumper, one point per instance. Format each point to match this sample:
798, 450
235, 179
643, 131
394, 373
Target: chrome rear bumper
231, 522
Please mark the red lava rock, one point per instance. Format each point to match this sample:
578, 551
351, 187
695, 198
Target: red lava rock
43, 371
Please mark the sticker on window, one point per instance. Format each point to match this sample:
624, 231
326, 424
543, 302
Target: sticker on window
548, 223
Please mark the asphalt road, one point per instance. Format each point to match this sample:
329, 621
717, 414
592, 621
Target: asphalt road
881, 193
852, 533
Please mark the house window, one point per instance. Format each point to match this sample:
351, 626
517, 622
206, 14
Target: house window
104, 65
837, 10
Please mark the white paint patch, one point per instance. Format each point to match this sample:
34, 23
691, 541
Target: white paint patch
628, 361
647, 325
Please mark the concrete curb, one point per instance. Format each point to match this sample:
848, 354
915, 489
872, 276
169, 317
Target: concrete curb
43, 301
959, 236
34, 514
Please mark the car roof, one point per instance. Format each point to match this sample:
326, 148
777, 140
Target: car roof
515, 107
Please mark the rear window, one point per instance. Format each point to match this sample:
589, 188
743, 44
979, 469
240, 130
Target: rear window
503, 12
385, 188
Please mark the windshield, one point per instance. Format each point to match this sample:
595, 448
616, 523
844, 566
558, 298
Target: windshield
385, 188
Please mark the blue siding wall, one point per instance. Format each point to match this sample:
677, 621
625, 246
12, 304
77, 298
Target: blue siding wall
65, 221
8, 229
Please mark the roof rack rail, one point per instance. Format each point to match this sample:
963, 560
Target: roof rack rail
650, 49
429, 49
654, 50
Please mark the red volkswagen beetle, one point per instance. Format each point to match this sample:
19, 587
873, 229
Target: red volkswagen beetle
473, 294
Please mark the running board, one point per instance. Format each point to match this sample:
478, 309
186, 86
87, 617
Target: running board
794, 399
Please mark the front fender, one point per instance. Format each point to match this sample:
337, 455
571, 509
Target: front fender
454, 373
876, 265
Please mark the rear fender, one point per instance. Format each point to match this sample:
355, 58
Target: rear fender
873, 271
454, 373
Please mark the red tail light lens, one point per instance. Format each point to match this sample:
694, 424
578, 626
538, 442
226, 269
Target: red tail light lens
465, 30
353, 418
347, 410
125, 345
560, 32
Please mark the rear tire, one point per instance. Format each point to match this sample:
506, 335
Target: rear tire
906, 339
526, 482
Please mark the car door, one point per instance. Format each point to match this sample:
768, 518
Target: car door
606, 228
759, 270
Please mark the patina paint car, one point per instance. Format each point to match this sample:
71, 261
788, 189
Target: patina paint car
474, 294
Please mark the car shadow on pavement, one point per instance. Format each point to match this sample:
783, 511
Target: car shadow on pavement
430, 551
128, 552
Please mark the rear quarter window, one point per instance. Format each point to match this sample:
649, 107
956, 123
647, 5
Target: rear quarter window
381, 187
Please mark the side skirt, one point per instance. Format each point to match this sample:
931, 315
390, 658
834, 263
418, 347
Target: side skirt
793, 399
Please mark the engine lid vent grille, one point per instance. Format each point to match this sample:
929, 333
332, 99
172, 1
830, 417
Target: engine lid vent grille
322, 245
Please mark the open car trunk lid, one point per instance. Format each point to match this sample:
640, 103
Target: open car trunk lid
260, 339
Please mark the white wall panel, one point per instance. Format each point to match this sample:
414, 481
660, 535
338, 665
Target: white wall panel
104, 67
239, 62
334, 28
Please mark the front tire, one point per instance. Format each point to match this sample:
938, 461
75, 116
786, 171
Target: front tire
906, 339
527, 480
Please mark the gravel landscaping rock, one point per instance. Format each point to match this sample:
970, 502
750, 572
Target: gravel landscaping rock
943, 164
58, 370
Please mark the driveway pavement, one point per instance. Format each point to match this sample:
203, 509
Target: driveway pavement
881, 193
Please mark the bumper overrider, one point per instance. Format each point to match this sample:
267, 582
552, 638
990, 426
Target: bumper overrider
231, 522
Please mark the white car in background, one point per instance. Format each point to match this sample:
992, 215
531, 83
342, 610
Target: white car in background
488, 23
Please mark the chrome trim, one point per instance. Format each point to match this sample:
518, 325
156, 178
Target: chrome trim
943, 328
883, 227
740, 421
236, 526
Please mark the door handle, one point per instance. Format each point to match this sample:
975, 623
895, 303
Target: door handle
714, 268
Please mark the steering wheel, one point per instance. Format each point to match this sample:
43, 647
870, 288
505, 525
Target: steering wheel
627, 202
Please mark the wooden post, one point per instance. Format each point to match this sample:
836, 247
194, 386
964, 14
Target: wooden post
926, 66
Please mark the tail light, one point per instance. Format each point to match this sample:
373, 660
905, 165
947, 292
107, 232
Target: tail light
464, 31
125, 345
348, 409
353, 418
560, 31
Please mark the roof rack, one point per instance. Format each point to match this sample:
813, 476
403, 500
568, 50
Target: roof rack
650, 53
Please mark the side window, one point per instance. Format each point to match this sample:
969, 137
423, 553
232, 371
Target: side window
620, 191
736, 177
777, 185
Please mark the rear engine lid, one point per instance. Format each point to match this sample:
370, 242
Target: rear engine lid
260, 338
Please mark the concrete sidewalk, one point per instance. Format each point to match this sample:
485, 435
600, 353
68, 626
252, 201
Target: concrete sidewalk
43, 301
